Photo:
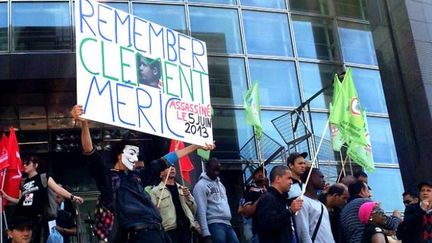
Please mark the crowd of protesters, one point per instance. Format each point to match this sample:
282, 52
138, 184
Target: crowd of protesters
291, 204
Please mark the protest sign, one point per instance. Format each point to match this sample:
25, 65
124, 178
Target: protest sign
136, 74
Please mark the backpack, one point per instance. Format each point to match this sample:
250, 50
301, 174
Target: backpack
51, 205
104, 221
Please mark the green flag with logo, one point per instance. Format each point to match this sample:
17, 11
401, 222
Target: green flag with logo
337, 138
252, 109
350, 120
362, 154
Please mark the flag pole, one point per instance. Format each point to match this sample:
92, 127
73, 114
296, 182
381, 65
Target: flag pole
343, 166
163, 188
3, 215
180, 164
315, 158
343, 161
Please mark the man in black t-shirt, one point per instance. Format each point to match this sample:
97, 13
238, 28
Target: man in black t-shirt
251, 199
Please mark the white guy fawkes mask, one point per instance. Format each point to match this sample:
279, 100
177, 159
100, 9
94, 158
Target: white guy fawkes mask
130, 156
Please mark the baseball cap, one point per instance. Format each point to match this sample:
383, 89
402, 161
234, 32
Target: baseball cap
295, 155
20, 222
424, 183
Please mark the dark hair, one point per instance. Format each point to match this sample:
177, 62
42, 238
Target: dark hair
259, 169
356, 187
212, 160
278, 170
35, 160
337, 189
304, 176
360, 173
410, 193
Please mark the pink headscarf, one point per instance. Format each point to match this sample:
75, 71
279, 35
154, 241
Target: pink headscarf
365, 211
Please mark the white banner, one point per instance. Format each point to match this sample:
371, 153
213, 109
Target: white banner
136, 74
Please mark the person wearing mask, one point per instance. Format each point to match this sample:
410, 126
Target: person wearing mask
410, 197
214, 213
312, 222
177, 207
274, 215
122, 186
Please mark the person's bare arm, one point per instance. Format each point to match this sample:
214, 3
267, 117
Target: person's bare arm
9, 198
378, 238
61, 191
86, 141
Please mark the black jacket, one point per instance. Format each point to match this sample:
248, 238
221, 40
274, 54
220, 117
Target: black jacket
123, 192
273, 219
410, 230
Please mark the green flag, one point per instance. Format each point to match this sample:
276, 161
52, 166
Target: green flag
362, 154
337, 138
346, 114
252, 109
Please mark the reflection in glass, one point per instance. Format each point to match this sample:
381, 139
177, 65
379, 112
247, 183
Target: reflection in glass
357, 43
3, 27
268, 128
370, 91
280, 4
121, 6
310, 6
314, 38
277, 82
261, 39
172, 17
227, 80
351, 8
380, 181
49, 29
231, 130
314, 78
381, 136
214, 1
218, 28
319, 121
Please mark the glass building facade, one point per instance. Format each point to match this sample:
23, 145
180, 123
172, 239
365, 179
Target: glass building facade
293, 48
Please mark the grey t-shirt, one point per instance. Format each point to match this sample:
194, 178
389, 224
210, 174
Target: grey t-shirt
307, 219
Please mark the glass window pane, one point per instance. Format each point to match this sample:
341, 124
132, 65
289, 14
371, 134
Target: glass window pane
351, 8
227, 80
326, 152
172, 17
310, 6
49, 29
370, 91
261, 39
265, 4
383, 147
214, 1
314, 38
218, 28
357, 43
121, 6
268, 127
380, 181
3, 27
314, 78
230, 129
277, 82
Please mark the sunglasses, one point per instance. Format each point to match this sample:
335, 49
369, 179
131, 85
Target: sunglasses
28, 162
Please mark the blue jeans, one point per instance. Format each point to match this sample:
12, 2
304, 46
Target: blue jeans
222, 233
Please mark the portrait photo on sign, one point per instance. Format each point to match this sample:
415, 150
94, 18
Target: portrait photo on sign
148, 71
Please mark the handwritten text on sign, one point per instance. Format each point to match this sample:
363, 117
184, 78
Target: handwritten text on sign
136, 74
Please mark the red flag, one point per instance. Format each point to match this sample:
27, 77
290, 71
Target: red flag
14, 157
4, 153
186, 165
13, 177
